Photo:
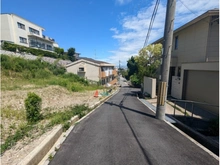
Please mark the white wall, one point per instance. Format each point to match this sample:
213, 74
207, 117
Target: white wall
91, 71
150, 86
7, 32
11, 32
176, 87
213, 43
192, 43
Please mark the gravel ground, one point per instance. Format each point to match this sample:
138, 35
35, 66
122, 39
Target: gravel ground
54, 98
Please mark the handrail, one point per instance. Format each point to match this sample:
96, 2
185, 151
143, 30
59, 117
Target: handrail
196, 102
192, 102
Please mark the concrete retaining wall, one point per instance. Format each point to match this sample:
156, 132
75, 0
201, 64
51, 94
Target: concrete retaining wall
149, 86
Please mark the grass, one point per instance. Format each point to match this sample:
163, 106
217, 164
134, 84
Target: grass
17, 72
13, 114
20, 74
55, 118
19, 83
50, 157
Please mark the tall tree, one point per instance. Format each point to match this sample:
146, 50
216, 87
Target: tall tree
132, 66
132, 71
70, 53
148, 61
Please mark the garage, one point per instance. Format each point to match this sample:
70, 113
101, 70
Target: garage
202, 86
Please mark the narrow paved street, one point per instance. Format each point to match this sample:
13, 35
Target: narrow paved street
123, 131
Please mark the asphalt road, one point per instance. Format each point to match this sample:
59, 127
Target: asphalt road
123, 131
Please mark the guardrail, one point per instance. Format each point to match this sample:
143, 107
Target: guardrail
202, 112
192, 105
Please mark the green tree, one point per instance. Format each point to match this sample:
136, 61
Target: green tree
148, 61
132, 66
59, 51
124, 72
70, 53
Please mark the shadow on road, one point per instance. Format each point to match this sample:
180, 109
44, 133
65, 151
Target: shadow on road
129, 109
122, 108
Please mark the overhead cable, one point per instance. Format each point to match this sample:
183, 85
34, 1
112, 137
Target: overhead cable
151, 22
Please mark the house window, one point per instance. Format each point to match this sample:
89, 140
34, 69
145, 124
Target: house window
23, 40
43, 46
81, 69
32, 43
49, 47
21, 26
176, 43
34, 31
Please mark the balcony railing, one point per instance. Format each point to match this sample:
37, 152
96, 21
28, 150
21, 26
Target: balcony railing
114, 72
103, 74
42, 37
48, 38
108, 73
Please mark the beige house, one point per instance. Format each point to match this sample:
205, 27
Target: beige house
94, 70
194, 68
18, 30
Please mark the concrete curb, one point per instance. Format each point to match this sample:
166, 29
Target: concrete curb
36, 155
39, 153
205, 141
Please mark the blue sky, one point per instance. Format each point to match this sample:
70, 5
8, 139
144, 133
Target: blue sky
107, 30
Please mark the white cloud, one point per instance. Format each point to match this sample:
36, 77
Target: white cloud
122, 2
135, 27
115, 30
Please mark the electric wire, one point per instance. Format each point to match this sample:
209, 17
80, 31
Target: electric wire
188, 8
196, 14
151, 22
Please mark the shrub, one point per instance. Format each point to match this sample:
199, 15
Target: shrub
9, 46
66, 126
75, 88
57, 70
33, 107
13, 47
43, 73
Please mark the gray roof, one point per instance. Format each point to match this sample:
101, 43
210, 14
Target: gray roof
92, 60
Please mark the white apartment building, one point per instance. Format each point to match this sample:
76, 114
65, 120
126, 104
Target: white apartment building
20, 31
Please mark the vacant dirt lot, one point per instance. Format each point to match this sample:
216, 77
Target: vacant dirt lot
54, 98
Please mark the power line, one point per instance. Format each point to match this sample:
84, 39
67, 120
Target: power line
196, 14
188, 8
151, 22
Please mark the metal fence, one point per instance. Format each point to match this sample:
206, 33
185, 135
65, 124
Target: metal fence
195, 114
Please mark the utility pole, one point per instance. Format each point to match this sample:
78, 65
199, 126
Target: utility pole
119, 73
165, 67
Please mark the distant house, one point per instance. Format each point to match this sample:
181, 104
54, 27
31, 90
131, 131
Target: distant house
94, 70
18, 30
194, 68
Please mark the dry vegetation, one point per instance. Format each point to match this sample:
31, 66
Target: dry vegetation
63, 95
54, 98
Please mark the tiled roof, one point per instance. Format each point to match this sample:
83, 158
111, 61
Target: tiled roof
92, 60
